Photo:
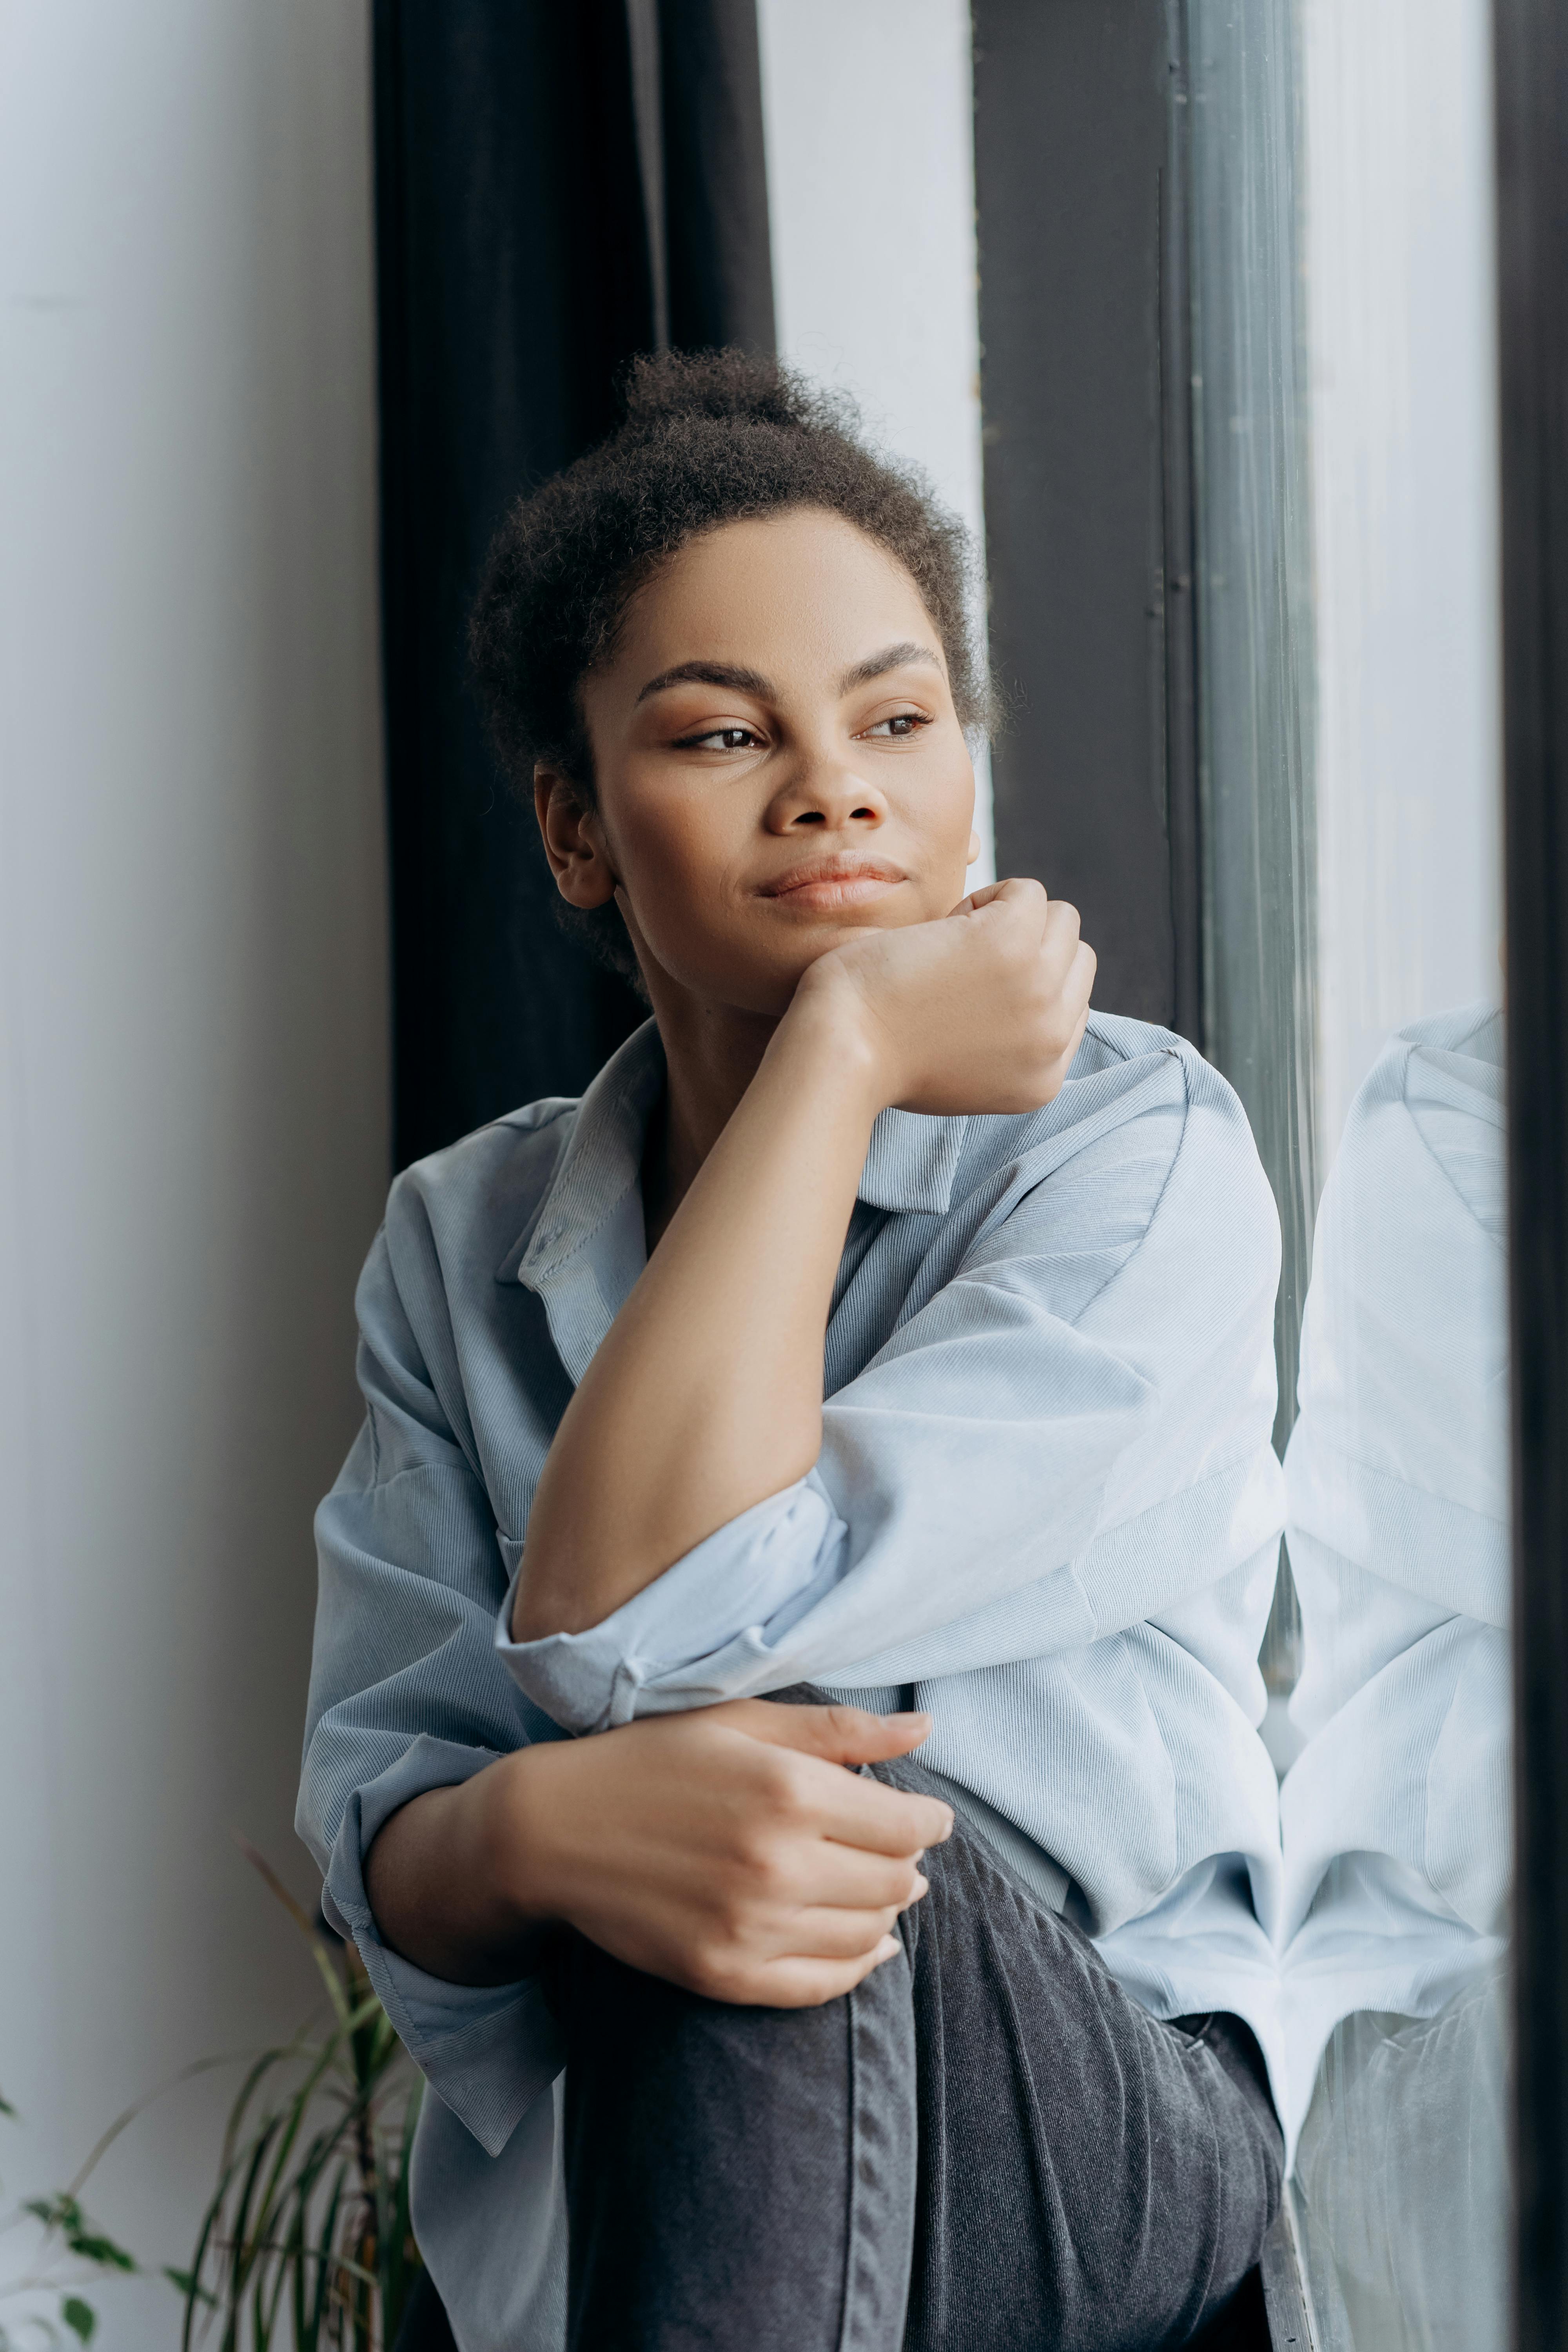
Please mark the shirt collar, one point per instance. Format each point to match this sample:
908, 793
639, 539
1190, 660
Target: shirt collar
910, 1165
912, 1161
603, 1159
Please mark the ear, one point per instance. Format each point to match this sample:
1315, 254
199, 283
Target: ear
974, 851
573, 841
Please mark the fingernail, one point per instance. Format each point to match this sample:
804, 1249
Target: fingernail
887, 1949
922, 1886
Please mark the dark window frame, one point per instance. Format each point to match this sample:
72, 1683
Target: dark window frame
1530, 51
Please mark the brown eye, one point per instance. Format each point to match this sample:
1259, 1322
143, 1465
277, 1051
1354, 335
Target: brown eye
900, 726
720, 739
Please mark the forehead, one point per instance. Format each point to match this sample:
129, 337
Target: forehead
801, 591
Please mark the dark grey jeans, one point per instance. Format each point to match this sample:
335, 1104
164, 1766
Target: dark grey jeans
988, 2146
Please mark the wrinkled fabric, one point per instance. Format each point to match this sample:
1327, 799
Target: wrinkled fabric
987, 2146
1046, 1509
1398, 1834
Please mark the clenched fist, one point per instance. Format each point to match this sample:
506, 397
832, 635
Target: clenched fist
980, 1012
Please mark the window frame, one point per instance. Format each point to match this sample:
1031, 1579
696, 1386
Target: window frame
1531, 64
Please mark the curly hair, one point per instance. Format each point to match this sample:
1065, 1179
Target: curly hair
707, 439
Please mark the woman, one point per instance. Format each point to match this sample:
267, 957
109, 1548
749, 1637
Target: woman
882, 1332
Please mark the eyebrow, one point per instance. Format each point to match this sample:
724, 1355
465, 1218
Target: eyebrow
878, 665
701, 673
750, 681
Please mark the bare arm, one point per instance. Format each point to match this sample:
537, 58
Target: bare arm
706, 1396
727, 1850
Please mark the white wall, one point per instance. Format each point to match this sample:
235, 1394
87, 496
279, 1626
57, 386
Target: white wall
1400, 297
192, 1049
868, 114
193, 1046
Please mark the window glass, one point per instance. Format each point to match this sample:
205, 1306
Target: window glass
1340, 183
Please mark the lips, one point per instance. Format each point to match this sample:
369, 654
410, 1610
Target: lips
829, 882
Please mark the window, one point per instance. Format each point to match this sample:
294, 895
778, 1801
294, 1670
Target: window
1238, 322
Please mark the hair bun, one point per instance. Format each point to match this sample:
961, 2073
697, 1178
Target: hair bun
660, 386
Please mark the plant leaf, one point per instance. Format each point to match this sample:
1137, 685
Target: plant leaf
5, 2106
260, 1864
89, 2244
80, 2317
305, 2238
189, 2285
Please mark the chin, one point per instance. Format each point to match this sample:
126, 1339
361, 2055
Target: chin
759, 972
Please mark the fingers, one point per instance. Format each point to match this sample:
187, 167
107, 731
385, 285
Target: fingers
875, 1819
1061, 940
1069, 965
1055, 922
985, 896
1015, 890
1018, 900
808, 1984
826, 1875
1078, 986
805, 1961
1085, 965
839, 1735
812, 1791
834, 1935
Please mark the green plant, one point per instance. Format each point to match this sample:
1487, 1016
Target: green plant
308, 2229
71, 2252
306, 2240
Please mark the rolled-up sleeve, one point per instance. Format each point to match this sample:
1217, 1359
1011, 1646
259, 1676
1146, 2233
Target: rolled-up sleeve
702, 1633
405, 1696
1104, 1347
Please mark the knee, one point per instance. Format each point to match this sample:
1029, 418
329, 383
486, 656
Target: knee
639, 2029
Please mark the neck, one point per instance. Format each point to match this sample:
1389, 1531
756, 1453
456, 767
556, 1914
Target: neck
712, 1053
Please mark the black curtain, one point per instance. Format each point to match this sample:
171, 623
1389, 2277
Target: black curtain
1080, 127
558, 186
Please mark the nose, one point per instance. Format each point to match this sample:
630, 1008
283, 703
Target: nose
827, 795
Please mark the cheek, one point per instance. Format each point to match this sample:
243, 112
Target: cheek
670, 854
948, 822
678, 869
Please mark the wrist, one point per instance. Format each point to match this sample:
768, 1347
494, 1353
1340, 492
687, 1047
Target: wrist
831, 1025
518, 1855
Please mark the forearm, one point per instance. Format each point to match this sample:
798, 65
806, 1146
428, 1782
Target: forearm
444, 1880
706, 1396
727, 1850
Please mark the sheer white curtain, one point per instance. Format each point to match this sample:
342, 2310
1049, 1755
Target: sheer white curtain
193, 1046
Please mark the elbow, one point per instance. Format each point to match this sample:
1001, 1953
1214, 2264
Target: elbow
558, 1593
544, 1603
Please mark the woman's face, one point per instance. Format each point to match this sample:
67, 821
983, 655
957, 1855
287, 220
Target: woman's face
777, 761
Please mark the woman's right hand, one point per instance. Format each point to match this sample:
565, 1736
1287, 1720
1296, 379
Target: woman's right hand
727, 1850
980, 1012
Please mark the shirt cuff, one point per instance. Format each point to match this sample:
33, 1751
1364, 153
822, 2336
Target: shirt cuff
706, 1630
487, 2050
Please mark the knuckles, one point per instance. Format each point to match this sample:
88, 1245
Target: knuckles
721, 1976
783, 1787
763, 1875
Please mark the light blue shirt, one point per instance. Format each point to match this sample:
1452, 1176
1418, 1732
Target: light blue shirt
1046, 1509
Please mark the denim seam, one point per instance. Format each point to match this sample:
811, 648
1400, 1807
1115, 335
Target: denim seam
878, 2255
1207, 2063
847, 2329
